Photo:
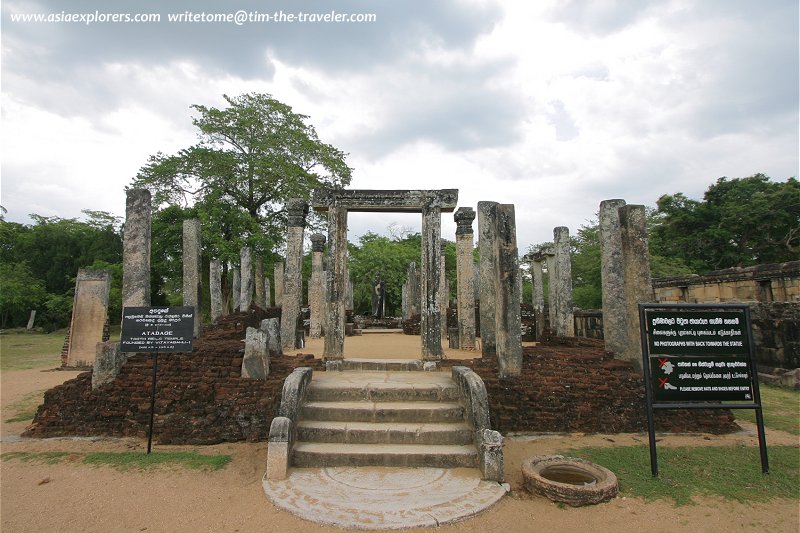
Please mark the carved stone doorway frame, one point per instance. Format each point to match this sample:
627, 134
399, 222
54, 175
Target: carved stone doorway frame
431, 204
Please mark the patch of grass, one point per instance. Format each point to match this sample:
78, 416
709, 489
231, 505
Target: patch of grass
23, 350
140, 461
49, 458
730, 472
127, 460
25, 409
781, 408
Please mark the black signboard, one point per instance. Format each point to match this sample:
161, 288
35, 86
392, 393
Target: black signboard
696, 357
157, 329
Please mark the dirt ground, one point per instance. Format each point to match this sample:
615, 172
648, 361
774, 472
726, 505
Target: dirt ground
70, 496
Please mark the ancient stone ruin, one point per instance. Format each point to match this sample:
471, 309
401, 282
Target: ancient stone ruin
247, 378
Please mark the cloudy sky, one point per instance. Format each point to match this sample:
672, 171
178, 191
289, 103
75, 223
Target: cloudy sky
552, 105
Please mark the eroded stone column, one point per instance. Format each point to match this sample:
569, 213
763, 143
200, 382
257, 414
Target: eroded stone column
638, 283
278, 274
336, 281
136, 249
246, 294
267, 292
431, 318
612, 274
292, 280
192, 285
465, 277
508, 322
552, 295
258, 275
236, 290
215, 288
413, 284
538, 294
444, 293
488, 272
315, 292
564, 319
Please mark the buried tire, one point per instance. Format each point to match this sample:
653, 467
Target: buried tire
569, 480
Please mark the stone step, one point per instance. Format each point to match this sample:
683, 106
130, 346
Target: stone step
330, 391
367, 411
312, 454
358, 365
456, 433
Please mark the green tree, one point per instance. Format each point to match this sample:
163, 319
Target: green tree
20, 292
252, 157
739, 222
48, 255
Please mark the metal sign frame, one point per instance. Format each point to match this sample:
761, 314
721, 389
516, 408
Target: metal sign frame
723, 354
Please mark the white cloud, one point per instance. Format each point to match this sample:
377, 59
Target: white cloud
551, 106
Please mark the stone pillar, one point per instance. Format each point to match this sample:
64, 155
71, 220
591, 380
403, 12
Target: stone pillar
315, 291
465, 280
336, 280
638, 283
192, 282
444, 293
236, 290
431, 318
267, 292
488, 273
564, 319
508, 322
293, 283
413, 284
246, 297
215, 288
136, 249
538, 294
255, 363
278, 274
108, 362
348, 300
612, 274
552, 295
258, 284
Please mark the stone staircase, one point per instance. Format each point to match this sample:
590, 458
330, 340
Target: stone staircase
383, 413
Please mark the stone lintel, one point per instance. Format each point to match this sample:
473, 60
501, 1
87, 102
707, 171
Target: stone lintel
410, 201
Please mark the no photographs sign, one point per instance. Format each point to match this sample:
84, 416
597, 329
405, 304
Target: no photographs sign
698, 357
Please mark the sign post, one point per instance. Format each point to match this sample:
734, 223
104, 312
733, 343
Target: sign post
154, 330
696, 357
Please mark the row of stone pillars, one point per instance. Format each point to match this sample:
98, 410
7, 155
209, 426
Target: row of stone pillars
136, 264
625, 272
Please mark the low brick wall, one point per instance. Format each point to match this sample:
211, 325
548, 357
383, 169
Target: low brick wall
567, 385
572, 385
200, 396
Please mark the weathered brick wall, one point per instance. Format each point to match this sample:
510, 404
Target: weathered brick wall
567, 384
570, 384
200, 396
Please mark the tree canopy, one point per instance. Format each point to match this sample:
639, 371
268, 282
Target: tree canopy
252, 157
39, 263
739, 222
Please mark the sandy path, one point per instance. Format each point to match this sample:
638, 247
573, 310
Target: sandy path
70, 496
